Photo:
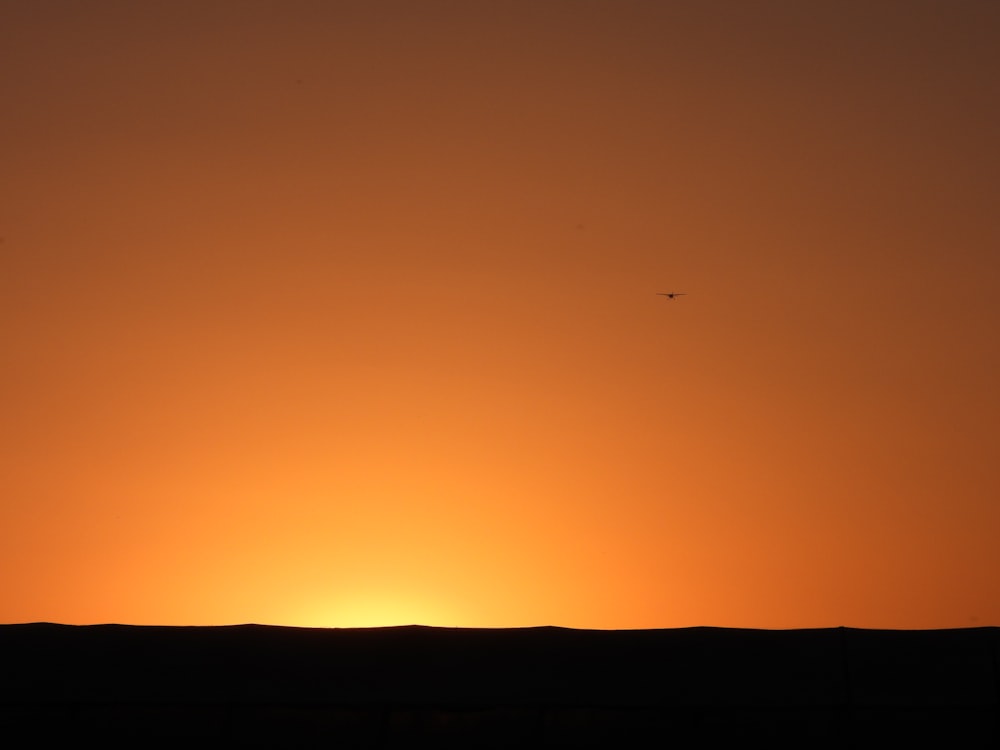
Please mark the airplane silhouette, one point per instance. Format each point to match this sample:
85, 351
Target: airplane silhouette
670, 295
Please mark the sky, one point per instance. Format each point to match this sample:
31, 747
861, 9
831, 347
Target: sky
345, 313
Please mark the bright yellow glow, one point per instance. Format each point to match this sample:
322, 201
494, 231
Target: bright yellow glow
373, 609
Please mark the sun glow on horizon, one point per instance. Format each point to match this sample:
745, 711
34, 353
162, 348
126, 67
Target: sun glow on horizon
375, 609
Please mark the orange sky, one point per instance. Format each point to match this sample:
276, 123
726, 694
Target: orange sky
344, 313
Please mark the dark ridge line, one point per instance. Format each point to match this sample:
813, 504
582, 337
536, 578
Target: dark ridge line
491, 629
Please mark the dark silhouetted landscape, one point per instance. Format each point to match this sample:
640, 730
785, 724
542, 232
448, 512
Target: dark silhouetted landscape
253, 685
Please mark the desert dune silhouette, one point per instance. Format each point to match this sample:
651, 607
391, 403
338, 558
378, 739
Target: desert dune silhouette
524, 687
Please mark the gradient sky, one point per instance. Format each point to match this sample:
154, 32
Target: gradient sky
341, 313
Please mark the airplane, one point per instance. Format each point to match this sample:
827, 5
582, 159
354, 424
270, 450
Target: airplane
671, 295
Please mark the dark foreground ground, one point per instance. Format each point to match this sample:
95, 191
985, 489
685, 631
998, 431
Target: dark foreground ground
262, 686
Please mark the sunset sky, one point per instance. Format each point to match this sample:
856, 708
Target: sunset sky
344, 312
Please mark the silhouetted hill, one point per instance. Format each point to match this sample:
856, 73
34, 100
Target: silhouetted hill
387, 687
